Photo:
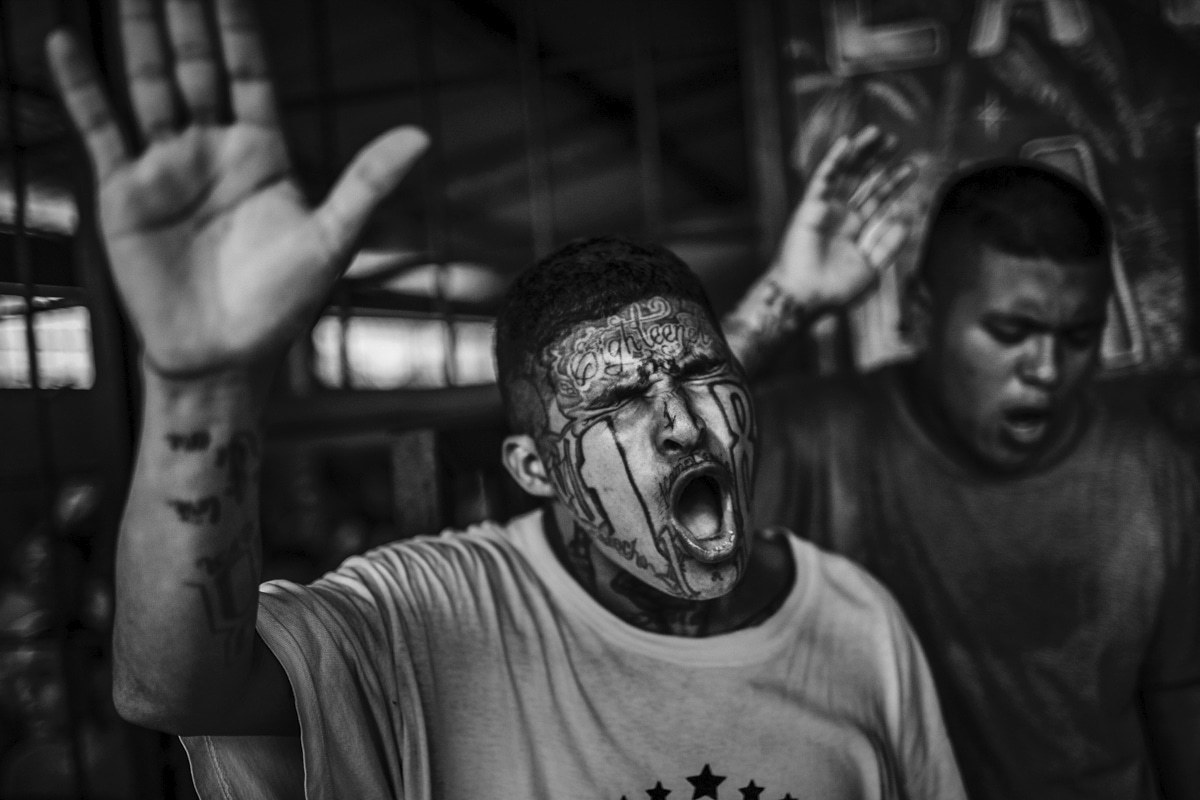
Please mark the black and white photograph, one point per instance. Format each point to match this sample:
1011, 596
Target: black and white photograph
569, 400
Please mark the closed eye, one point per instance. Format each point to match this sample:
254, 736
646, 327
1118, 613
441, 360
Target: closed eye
618, 395
701, 368
624, 393
1007, 331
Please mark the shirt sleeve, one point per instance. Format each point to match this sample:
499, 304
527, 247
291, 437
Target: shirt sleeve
334, 639
927, 760
895, 679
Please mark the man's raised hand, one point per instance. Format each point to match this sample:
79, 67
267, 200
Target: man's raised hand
845, 230
216, 255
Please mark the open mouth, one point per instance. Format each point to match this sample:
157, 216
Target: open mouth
1027, 425
702, 512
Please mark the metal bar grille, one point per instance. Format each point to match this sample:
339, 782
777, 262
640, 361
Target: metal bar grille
44, 449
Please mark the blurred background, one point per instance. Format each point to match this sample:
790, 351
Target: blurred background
690, 122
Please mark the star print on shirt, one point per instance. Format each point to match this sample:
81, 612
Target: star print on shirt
706, 783
658, 792
751, 791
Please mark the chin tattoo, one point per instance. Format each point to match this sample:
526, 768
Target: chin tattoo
653, 610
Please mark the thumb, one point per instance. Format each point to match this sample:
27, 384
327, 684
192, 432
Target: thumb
372, 175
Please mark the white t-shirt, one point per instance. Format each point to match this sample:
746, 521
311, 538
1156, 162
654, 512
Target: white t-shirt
472, 665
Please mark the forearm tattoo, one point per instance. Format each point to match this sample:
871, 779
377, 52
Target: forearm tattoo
237, 459
761, 323
189, 442
202, 511
227, 580
228, 586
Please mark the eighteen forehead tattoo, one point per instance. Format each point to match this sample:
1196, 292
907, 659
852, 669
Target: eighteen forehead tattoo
627, 347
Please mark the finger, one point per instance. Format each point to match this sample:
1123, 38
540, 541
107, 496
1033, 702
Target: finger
819, 183
867, 185
889, 190
867, 145
867, 148
196, 68
150, 90
250, 92
89, 109
882, 241
373, 174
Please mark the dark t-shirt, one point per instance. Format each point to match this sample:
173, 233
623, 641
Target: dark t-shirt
1045, 603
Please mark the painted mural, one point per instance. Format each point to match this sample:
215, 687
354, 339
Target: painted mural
1107, 90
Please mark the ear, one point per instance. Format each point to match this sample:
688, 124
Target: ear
521, 459
916, 316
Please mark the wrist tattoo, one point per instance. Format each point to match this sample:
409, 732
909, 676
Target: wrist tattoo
762, 321
776, 310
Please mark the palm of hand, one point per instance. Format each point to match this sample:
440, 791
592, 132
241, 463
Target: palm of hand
845, 230
822, 242
209, 239
843, 267
217, 257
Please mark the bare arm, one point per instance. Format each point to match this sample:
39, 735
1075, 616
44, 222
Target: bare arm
840, 237
187, 658
220, 263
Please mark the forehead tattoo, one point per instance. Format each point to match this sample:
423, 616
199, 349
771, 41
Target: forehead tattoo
649, 336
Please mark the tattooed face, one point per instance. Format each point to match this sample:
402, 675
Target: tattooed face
649, 441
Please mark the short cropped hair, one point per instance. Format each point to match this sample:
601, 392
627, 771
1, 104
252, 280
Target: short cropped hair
1019, 208
585, 280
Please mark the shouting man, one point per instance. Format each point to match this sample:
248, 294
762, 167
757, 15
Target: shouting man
636, 636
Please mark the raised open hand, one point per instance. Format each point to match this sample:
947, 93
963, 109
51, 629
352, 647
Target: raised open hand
215, 253
845, 230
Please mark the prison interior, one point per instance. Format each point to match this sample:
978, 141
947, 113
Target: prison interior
690, 122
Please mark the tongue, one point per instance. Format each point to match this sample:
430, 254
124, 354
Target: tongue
699, 509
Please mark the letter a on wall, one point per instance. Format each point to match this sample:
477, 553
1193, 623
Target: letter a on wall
1069, 23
